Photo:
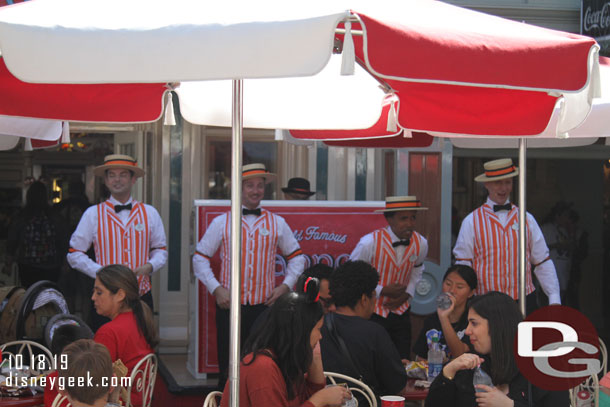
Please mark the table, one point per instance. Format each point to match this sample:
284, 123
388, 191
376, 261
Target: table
413, 393
27, 401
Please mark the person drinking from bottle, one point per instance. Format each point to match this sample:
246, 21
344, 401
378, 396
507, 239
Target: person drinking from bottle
450, 320
492, 328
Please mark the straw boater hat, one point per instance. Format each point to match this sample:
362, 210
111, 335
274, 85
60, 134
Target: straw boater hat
402, 203
256, 170
119, 161
498, 169
299, 186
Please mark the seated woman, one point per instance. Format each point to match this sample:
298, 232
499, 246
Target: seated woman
131, 334
282, 366
492, 328
460, 282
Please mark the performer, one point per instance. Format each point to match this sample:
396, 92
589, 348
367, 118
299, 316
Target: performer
262, 233
398, 253
489, 236
121, 229
297, 189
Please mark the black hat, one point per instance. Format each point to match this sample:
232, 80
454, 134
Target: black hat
299, 186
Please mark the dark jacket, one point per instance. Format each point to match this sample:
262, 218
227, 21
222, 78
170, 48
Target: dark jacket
459, 392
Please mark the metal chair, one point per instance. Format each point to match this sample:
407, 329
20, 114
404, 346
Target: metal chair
589, 386
142, 380
61, 401
26, 353
212, 399
354, 385
604, 354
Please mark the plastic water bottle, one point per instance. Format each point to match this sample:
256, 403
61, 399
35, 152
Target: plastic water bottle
480, 377
443, 301
435, 359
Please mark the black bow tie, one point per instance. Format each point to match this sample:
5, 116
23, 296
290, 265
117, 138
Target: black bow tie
505, 207
255, 212
401, 243
119, 208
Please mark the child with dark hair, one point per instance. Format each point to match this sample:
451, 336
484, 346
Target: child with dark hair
66, 334
322, 272
87, 359
63, 336
492, 327
282, 366
460, 283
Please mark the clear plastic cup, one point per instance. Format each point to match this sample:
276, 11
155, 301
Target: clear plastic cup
443, 301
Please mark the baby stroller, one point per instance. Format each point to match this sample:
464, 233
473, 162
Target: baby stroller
24, 314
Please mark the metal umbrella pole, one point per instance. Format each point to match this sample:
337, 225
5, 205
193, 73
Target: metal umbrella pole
522, 224
235, 311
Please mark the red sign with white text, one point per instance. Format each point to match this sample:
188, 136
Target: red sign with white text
327, 232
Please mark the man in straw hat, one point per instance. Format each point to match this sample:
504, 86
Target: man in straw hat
121, 229
262, 234
398, 253
297, 189
489, 236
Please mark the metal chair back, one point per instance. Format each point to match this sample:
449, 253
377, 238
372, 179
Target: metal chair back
142, 381
212, 399
354, 385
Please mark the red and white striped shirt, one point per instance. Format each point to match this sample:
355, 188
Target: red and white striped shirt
403, 265
489, 242
261, 237
131, 238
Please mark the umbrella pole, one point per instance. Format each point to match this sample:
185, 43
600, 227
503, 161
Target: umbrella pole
236, 168
522, 223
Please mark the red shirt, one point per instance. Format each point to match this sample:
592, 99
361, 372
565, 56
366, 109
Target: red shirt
124, 341
261, 384
51, 392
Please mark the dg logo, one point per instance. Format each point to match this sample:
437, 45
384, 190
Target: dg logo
557, 347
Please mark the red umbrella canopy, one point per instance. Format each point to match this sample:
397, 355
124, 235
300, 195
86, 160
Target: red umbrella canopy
467, 72
90, 103
383, 134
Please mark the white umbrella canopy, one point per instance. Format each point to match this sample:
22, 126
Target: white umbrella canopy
142, 41
12, 129
29, 127
325, 100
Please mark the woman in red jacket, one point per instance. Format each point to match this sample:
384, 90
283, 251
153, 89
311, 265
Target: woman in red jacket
131, 334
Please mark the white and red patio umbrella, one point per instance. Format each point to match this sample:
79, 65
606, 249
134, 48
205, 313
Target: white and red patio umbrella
454, 70
510, 73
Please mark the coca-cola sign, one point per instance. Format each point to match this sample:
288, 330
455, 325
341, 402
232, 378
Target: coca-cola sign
596, 22
596, 19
